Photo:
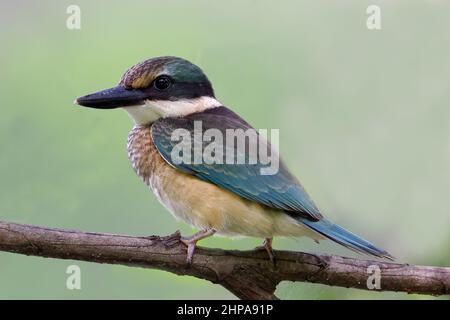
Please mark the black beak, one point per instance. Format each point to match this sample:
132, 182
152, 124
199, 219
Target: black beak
113, 98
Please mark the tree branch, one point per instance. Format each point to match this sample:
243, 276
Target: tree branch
247, 274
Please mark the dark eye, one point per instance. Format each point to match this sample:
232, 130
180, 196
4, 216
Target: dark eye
162, 83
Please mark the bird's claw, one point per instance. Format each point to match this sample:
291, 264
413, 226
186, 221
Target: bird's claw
190, 249
191, 242
267, 246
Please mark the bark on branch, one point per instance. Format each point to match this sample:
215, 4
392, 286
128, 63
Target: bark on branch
247, 274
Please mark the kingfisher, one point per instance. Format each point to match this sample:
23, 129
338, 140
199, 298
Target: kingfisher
165, 94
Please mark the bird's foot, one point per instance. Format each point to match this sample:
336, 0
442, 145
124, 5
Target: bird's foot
267, 245
191, 242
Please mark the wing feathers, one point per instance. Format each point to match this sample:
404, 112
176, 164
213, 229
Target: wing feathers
280, 191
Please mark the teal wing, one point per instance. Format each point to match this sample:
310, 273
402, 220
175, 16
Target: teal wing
280, 190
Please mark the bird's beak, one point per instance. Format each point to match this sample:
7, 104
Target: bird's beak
113, 98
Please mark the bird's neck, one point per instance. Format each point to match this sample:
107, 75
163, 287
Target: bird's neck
142, 152
152, 110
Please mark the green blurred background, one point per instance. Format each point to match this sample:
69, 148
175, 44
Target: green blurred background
363, 118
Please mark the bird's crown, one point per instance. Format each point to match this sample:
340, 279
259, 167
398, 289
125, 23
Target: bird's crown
142, 74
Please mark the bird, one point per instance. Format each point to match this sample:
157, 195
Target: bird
165, 94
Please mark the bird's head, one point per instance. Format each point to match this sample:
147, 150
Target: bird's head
155, 88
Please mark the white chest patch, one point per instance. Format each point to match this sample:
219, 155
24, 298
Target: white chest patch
152, 110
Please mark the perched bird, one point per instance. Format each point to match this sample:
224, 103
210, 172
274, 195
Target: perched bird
164, 94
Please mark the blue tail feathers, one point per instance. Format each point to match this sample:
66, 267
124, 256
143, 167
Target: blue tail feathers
345, 238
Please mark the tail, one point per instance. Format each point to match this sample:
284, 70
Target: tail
346, 238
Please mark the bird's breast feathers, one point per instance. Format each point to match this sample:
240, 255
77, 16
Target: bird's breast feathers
203, 204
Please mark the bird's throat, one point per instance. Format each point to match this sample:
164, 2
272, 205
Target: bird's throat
152, 110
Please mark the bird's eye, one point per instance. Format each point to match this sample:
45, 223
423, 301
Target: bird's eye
162, 83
